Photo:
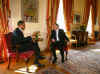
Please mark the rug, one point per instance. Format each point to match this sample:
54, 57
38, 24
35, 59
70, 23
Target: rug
50, 70
82, 62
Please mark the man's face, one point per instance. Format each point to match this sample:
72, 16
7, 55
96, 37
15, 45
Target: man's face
55, 27
22, 26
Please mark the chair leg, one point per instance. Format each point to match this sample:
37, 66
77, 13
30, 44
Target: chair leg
66, 54
50, 58
17, 57
9, 62
26, 61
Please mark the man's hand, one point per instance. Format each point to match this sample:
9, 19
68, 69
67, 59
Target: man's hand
37, 32
33, 37
53, 40
68, 43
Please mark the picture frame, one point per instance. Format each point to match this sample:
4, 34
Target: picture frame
30, 10
77, 19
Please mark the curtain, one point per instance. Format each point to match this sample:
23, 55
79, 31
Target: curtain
90, 4
86, 12
52, 10
4, 12
94, 15
67, 6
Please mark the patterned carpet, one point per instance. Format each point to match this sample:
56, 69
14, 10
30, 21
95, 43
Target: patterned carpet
80, 61
50, 70
83, 61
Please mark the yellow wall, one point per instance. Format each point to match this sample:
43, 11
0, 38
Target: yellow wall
15, 6
78, 8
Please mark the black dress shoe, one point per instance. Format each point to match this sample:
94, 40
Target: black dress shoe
54, 61
62, 60
39, 65
41, 57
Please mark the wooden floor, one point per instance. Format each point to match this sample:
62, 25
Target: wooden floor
16, 66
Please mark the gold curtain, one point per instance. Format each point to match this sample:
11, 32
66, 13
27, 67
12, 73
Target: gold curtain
86, 12
52, 10
94, 15
90, 4
4, 12
67, 6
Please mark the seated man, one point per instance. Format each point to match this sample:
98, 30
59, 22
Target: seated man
58, 40
25, 43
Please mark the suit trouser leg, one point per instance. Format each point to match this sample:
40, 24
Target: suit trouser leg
36, 45
61, 52
36, 48
66, 53
37, 55
53, 50
60, 47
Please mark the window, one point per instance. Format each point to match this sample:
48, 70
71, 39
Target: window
60, 16
89, 26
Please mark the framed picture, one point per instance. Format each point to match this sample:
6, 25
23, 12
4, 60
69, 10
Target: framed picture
77, 19
30, 10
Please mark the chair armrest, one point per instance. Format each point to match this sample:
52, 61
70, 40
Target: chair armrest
74, 36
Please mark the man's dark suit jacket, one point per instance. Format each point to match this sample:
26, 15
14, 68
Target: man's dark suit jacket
20, 36
63, 39
24, 43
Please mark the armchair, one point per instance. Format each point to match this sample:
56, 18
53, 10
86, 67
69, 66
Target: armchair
13, 53
72, 38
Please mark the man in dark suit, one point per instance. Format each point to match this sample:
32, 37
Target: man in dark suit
26, 43
58, 40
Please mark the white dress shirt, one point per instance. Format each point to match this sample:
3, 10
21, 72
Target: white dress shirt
57, 31
20, 29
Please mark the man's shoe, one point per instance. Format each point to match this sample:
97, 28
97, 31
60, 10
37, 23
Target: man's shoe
41, 57
62, 60
40, 65
54, 61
